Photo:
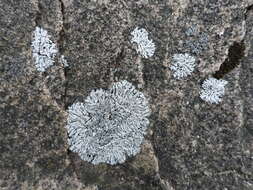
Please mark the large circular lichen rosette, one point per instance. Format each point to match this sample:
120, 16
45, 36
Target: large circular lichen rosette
109, 125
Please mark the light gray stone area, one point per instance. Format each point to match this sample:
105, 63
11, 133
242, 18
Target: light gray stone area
190, 144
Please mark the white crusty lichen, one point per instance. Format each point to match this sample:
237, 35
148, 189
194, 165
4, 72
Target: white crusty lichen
43, 49
63, 61
182, 65
213, 90
109, 125
145, 46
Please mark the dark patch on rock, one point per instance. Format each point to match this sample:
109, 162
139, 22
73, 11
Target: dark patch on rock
235, 54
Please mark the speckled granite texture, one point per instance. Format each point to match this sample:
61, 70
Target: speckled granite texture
190, 144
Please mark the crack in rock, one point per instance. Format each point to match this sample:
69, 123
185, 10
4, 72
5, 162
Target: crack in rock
235, 54
38, 14
61, 47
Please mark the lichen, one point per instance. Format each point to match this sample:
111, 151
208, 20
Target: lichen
43, 49
109, 125
182, 65
213, 90
145, 46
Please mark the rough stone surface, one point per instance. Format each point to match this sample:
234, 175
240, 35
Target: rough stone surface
190, 144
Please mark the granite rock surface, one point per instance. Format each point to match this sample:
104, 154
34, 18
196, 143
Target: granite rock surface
190, 144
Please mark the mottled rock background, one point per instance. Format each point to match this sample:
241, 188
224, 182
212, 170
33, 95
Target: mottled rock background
190, 145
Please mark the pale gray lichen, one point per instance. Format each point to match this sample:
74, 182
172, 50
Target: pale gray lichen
213, 90
182, 65
110, 125
145, 46
43, 49
198, 44
192, 30
63, 61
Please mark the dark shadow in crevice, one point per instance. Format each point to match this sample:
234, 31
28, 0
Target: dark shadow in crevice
69, 152
235, 54
61, 40
38, 17
62, 32
248, 9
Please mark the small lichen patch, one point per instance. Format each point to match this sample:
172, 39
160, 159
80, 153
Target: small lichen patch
63, 61
213, 90
182, 65
145, 46
43, 49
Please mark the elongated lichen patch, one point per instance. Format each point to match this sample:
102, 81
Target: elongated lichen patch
43, 49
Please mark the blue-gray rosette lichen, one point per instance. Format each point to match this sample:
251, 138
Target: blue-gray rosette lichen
43, 49
109, 125
213, 90
145, 46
